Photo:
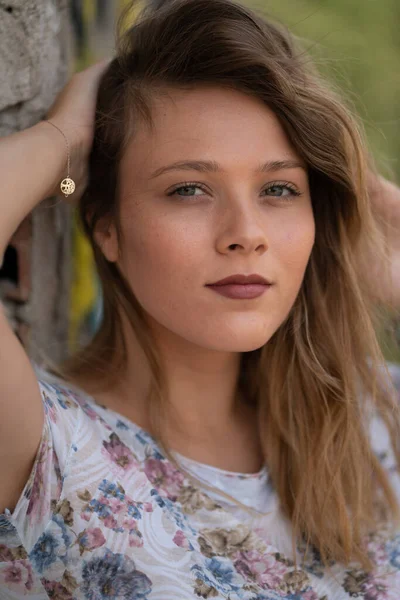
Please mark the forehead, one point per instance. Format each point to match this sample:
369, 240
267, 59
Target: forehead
207, 122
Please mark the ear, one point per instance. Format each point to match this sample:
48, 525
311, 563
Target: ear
105, 236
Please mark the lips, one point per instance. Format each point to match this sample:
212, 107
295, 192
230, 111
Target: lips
242, 280
241, 287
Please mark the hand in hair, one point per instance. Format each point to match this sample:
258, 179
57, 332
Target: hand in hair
73, 111
385, 197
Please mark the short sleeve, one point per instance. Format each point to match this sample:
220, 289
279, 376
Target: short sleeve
43, 489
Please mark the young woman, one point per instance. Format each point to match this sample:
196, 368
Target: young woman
231, 431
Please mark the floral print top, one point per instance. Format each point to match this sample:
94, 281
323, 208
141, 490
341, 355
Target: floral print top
106, 516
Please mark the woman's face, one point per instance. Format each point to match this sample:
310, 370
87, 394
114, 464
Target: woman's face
187, 226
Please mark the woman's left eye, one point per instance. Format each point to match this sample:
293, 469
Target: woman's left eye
276, 190
186, 187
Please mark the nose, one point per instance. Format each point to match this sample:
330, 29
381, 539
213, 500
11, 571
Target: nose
242, 230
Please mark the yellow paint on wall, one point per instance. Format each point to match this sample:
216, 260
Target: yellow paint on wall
133, 13
83, 286
89, 10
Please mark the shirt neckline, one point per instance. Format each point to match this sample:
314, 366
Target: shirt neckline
222, 472
257, 475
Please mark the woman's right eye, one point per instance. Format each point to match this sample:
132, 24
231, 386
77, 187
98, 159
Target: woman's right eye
188, 190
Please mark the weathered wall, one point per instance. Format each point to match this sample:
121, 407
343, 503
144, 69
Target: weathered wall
35, 59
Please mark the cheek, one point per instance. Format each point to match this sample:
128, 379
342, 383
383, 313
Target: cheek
294, 247
158, 253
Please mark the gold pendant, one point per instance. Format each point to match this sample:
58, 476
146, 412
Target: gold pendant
67, 186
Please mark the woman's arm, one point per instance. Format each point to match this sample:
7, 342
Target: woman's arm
32, 163
394, 371
385, 197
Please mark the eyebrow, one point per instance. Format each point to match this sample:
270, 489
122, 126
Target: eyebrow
211, 166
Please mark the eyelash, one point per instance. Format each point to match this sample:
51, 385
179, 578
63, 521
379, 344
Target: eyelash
282, 184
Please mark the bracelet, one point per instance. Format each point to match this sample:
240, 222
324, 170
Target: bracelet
67, 185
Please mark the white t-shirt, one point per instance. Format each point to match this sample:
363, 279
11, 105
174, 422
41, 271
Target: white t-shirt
105, 516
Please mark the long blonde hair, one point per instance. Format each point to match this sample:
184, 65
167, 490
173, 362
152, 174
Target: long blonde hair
313, 380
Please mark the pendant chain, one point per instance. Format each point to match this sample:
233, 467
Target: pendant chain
67, 185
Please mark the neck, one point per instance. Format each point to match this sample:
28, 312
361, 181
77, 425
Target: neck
201, 384
206, 419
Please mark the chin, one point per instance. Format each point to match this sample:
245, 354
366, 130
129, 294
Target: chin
238, 343
221, 334
246, 347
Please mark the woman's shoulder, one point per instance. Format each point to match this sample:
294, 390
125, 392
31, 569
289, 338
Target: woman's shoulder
63, 406
65, 403
70, 408
58, 393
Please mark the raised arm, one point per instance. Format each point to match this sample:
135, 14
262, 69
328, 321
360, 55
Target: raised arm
385, 196
32, 164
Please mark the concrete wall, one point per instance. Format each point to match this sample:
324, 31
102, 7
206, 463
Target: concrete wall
35, 63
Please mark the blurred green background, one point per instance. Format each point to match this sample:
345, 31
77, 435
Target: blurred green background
355, 43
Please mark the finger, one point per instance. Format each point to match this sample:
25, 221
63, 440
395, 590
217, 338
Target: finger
97, 68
